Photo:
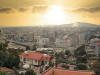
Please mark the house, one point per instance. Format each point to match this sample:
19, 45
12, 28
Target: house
66, 72
35, 60
7, 70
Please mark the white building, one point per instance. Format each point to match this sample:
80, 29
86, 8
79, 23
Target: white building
73, 41
34, 60
97, 49
44, 40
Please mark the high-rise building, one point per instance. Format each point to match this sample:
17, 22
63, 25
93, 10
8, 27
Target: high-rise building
81, 39
30, 36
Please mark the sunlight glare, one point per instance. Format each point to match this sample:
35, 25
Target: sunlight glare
55, 15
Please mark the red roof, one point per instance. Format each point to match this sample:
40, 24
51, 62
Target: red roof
6, 69
67, 72
98, 43
37, 56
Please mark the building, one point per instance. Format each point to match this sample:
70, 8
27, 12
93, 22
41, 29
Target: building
34, 60
81, 39
94, 41
97, 49
30, 36
66, 72
73, 40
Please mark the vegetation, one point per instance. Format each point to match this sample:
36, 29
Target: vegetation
97, 68
81, 66
45, 46
2, 73
30, 72
81, 59
34, 47
67, 52
8, 58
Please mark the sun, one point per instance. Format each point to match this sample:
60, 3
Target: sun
55, 15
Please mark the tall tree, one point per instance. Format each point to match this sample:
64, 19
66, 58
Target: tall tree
67, 52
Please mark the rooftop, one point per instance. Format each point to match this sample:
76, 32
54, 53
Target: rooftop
37, 56
6, 69
66, 72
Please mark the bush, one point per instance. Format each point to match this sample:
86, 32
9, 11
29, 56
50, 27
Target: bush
81, 66
2, 73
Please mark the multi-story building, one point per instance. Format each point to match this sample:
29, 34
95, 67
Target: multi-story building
81, 39
35, 60
30, 36
97, 49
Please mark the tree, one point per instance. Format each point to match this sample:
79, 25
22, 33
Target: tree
97, 68
81, 59
2, 73
67, 52
46, 67
45, 46
30, 72
34, 47
53, 73
61, 53
81, 66
51, 64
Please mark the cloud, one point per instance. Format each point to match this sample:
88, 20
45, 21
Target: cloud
89, 10
40, 9
6, 10
23, 9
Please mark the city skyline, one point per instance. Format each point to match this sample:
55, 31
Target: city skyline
45, 12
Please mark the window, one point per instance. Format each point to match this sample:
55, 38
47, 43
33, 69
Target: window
45, 62
35, 61
24, 59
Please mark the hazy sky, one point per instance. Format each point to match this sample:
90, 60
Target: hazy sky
47, 12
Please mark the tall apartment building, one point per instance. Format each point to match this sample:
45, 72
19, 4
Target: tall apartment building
30, 36
81, 39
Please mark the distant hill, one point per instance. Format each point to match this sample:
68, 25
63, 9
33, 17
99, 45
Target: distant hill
80, 24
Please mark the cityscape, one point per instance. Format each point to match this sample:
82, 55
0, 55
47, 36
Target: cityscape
45, 37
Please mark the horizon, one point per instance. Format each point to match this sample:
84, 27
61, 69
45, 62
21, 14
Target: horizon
54, 25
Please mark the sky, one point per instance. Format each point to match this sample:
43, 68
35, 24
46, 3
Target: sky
48, 12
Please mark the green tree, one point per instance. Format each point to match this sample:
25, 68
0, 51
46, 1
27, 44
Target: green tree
2, 73
81, 66
45, 46
67, 52
30, 72
34, 47
51, 64
97, 68
81, 59
47, 67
